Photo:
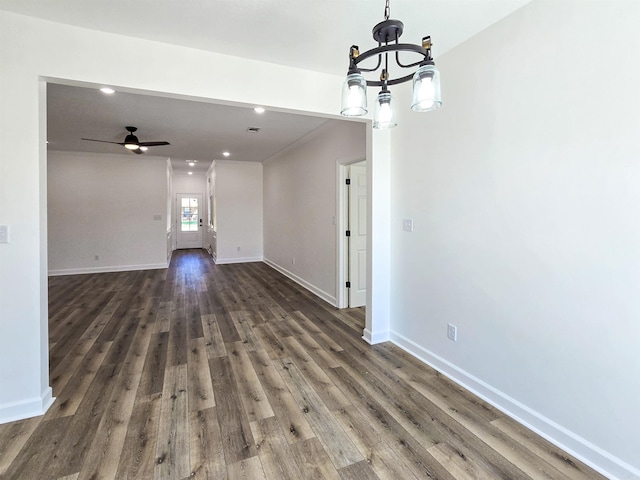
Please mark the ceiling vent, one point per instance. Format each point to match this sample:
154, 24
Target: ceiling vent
253, 129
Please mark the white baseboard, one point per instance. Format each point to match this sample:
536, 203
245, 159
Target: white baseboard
585, 451
31, 407
113, 268
303, 283
224, 261
372, 338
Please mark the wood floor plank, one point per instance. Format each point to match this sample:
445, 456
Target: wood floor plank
35, 458
328, 430
247, 469
213, 337
456, 462
271, 342
139, 451
192, 315
289, 414
544, 450
104, 454
242, 322
313, 461
256, 405
206, 452
81, 430
163, 317
358, 471
424, 420
205, 371
331, 395
15, 435
152, 380
385, 462
497, 440
234, 425
413, 451
201, 395
69, 399
172, 449
273, 450
177, 351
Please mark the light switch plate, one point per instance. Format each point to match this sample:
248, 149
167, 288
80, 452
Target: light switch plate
407, 224
4, 234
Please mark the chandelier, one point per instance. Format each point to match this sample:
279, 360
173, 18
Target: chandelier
426, 79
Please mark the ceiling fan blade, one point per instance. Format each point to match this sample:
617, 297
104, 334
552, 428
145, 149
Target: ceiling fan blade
153, 144
137, 151
102, 141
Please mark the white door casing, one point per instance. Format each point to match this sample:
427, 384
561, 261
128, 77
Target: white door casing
189, 217
358, 235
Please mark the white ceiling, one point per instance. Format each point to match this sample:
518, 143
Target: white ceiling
310, 34
196, 130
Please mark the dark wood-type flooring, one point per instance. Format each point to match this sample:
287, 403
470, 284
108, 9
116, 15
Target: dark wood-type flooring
234, 371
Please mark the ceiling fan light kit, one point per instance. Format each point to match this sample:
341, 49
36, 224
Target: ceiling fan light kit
426, 80
132, 143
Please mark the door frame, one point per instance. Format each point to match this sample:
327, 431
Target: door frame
342, 215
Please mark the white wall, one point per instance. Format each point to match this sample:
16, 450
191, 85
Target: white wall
110, 206
525, 194
32, 50
238, 190
300, 205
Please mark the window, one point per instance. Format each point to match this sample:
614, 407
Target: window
189, 215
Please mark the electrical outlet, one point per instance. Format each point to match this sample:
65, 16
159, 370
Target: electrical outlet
238, 248
293, 260
96, 257
4, 234
452, 332
407, 224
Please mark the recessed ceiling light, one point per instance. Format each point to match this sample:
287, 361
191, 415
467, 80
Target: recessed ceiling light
226, 154
190, 173
191, 164
258, 109
107, 90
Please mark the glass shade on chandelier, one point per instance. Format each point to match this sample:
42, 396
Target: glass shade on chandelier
426, 89
426, 79
384, 115
354, 96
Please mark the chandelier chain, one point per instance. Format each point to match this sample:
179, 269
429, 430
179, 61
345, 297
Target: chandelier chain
387, 10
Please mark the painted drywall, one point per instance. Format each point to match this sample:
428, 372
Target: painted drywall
524, 190
185, 183
107, 206
76, 55
300, 204
238, 190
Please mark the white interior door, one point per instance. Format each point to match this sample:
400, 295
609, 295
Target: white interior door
189, 220
358, 235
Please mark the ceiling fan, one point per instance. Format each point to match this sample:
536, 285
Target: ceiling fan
131, 142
